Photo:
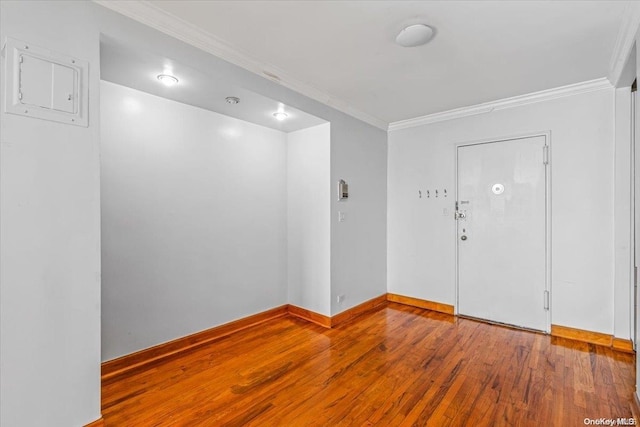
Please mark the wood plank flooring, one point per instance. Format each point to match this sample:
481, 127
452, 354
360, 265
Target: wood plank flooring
397, 366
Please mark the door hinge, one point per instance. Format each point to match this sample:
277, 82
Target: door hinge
635, 275
546, 300
545, 154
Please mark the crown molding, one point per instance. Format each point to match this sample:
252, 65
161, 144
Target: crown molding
154, 17
624, 42
516, 101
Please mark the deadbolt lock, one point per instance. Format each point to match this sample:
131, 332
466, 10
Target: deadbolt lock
463, 237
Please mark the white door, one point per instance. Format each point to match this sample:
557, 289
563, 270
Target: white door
502, 232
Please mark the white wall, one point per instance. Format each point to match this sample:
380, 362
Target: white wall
193, 219
50, 246
623, 237
421, 254
358, 245
308, 219
358, 155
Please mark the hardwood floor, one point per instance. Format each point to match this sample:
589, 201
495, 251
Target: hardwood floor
396, 366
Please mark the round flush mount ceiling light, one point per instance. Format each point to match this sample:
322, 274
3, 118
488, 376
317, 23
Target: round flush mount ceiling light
233, 100
280, 115
415, 35
167, 79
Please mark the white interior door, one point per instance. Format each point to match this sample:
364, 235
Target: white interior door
502, 232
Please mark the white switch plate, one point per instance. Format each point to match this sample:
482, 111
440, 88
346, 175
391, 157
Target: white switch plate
342, 216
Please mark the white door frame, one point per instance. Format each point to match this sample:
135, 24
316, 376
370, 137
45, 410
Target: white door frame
635, 199
547, 139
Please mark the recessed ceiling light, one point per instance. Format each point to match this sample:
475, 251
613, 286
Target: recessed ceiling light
167, 79
280, 115
232, 100
415, 35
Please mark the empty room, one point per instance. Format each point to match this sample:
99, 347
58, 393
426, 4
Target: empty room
319, 213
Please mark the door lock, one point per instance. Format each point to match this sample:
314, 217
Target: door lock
460, 214
463, 237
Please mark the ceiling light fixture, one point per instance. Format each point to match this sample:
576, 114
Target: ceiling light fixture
415, 35
280, 115
167, 80
233, 100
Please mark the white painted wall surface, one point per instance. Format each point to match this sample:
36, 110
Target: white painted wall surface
49, 280
193, 219
50, 246
421, 249
358, 244
358, 155
623, 237
308, 218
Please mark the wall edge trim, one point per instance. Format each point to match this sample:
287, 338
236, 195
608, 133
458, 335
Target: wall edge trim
141, 359
97, 423
309, 316
358, 310
622, 344
421, 303
501, 104
624, 42
591, 337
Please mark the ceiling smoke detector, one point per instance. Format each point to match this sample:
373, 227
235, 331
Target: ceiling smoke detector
233, 100
415, 35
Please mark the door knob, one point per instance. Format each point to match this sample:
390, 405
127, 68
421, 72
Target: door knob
463, 237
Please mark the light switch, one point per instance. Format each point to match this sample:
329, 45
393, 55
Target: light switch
341, 216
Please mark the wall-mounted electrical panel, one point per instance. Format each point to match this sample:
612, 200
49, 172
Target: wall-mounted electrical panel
44, 84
